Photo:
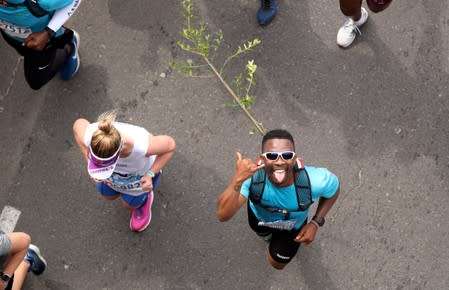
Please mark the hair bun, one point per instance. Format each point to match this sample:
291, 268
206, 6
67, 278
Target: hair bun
106, 121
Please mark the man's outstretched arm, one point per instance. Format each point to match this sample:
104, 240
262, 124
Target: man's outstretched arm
230, 201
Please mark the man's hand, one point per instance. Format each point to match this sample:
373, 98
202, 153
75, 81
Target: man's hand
306, 234
37, 40
147, 183
245, 168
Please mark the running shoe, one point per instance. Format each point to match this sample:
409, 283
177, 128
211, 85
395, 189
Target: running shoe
37, 262
350, 29
72, 63
141, 217
266, 12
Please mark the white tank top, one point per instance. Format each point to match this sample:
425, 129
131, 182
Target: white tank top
130, 169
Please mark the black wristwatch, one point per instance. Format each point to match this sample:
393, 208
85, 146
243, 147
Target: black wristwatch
319, 220
50, 32
5, 277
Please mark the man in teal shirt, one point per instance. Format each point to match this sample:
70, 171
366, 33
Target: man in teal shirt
278, 206
34, 29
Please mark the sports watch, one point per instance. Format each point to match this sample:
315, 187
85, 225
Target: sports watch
4, 277
151, 173
50, 32
319, 220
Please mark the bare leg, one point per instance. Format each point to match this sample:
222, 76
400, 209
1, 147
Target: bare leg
127, 206
351, 8
20, 275
20, 243
275, 264
111, 197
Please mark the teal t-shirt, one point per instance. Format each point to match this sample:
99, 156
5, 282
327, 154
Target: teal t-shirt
19, 23
323, 183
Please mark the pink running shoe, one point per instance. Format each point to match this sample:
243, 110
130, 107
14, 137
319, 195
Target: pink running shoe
141, 217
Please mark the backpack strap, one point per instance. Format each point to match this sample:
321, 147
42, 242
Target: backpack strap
35, 9
302, 186
257, 186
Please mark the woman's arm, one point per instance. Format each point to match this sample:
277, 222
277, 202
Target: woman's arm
163, 147
79, 130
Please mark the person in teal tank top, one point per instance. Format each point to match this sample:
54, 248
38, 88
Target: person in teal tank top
278, 190
35, 29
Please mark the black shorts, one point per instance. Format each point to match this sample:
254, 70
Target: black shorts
282, 246
41, 66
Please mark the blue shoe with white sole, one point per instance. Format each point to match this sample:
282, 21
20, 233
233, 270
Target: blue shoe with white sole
72, 63
37, 262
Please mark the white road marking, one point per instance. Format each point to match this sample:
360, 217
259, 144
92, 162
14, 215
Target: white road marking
9, 218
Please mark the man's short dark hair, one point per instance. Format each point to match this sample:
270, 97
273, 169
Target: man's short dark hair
277, 134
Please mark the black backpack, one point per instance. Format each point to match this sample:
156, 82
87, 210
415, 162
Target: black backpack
302, 187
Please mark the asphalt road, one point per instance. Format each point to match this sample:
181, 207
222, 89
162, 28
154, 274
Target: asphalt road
375, 114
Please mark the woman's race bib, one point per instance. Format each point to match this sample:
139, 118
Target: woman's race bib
125, 183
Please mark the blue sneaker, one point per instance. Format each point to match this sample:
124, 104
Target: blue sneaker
266, 12
37, 262
72, 63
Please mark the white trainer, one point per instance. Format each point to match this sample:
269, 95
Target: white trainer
350, 29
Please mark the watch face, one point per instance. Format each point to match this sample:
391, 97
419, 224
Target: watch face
319, 220
5, 277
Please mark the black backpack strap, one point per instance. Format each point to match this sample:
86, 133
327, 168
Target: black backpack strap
303, 188
257, 186
35, 9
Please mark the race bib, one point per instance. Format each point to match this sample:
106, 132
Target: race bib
14, 30
287, 225
129, 184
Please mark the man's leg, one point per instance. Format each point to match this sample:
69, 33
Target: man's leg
72, 61
282, 248
356, 17
33, 262
19, 247
20, 275
60, 55
351, 8
41, 66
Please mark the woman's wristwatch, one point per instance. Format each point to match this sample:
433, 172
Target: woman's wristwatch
5, 277
151, 173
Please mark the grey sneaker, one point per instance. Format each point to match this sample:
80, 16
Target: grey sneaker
350, 29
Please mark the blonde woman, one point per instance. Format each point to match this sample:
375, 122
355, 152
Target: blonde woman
125, 161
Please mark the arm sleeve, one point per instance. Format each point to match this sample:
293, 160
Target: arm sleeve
244, 190
63, 12
324, 183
